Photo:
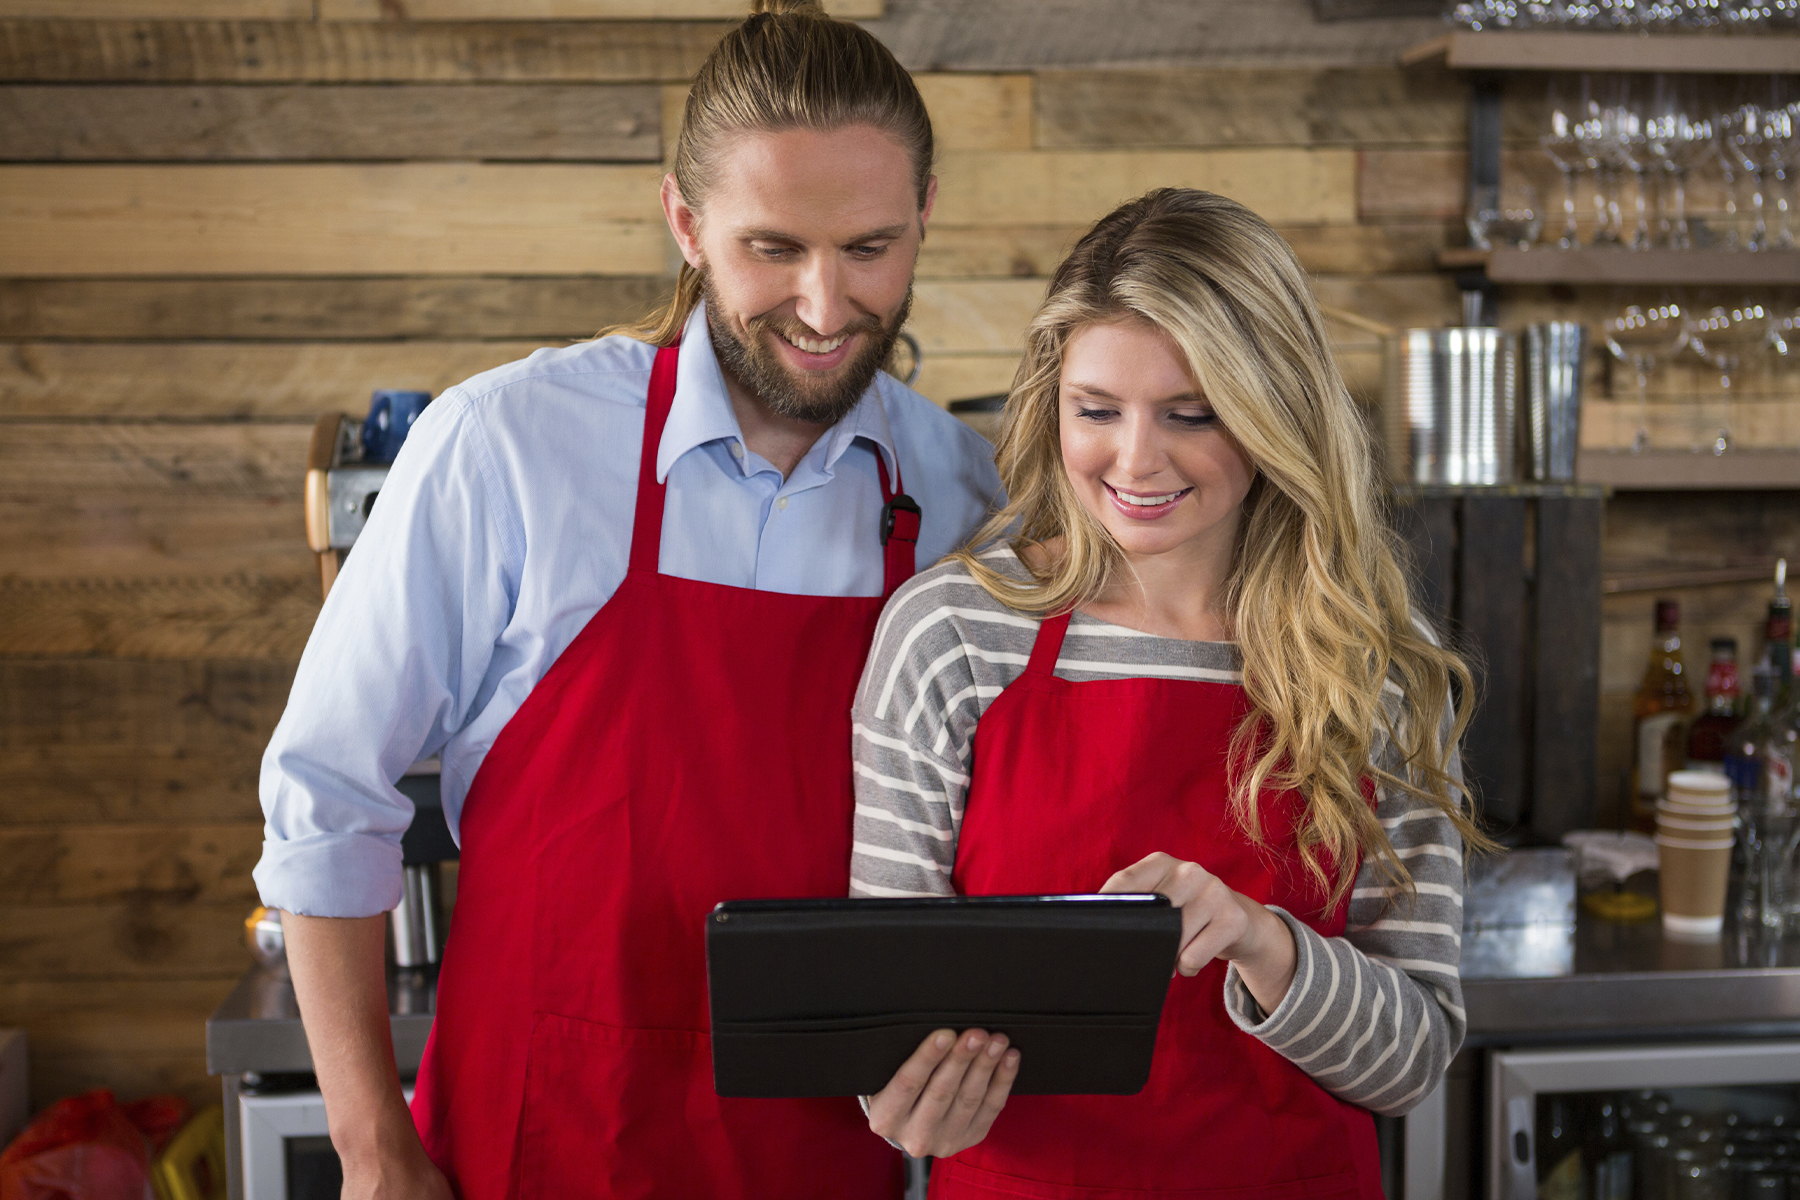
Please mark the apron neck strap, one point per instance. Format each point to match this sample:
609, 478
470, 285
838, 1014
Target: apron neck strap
900, 517
646, 526
1048, 646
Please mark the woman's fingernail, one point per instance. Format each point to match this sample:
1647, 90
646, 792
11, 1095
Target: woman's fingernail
943, 1041
1012, 1058
974, 1041
995, 1047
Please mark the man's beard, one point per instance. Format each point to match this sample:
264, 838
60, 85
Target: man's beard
791, 394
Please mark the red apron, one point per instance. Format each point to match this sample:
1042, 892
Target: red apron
1072, 782
691, 745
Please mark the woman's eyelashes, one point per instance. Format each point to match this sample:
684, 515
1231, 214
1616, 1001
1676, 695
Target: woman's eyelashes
1178, 418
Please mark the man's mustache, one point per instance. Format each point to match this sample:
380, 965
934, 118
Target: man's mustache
791, 328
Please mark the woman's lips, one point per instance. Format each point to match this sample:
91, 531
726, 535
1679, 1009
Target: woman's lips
806, 360
1163, 503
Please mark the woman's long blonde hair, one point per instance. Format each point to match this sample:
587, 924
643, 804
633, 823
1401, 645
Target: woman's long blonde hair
788, 66
1317, 600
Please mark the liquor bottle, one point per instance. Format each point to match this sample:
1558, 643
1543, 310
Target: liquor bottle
1659, 711
1712, 729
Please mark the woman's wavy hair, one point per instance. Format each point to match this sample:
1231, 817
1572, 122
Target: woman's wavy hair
788, 66
1317, 600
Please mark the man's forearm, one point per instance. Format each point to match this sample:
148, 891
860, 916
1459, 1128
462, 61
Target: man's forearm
340, 978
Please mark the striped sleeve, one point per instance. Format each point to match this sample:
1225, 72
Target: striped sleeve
1376, 1015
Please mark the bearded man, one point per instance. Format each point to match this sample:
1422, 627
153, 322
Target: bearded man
623, 590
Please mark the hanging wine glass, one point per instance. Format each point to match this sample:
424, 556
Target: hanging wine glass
1562, 149
1623, 150
1741, 142
1591, 139
1731, 339
1678, 140
1779, 161
1644, 338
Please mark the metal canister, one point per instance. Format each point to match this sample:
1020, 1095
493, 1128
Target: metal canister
1449, 405
1554, 351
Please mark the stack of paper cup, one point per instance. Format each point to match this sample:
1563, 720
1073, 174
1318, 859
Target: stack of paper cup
1695, 827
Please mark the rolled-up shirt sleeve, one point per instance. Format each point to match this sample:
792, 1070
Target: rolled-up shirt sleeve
394, 666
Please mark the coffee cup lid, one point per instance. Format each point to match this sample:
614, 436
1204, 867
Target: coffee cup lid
1708, 783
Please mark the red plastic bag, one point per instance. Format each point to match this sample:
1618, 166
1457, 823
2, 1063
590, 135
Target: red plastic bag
88, 1147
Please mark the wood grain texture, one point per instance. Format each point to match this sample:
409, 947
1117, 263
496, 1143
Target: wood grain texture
963, 316
240, 461
60, 786
407, 218
209, 710
562, 10
1066, 187
236, 617
543, 122
216, 10
89, 864
1222, 107
998, 35
149, 534
552, 308
948, 377
1491, 607
151, 939
230, 380
978, 112
175, 51
1566, 619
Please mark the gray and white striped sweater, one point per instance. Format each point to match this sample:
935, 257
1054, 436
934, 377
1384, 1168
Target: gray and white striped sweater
1373, 1016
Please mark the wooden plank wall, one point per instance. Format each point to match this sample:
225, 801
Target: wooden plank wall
224, 217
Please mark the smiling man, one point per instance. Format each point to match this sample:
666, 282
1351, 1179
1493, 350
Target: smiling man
623, 590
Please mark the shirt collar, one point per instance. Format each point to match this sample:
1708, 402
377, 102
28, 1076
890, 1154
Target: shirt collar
702, 411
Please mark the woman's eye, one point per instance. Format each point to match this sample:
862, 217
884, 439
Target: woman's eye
1092, 414
1194, 420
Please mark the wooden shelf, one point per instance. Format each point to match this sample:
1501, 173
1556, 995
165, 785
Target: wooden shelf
1555, 50
1767, 268
1660, 470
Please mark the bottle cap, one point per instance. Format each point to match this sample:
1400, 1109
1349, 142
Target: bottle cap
1668, 615
1725, 645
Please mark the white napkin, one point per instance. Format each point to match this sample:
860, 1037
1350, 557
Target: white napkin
1614, 854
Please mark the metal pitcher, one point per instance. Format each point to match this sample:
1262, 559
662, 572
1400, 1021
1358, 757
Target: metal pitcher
1450, 405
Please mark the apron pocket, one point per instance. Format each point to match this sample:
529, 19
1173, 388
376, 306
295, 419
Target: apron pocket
1098, 1054
953, 1180
607, 1111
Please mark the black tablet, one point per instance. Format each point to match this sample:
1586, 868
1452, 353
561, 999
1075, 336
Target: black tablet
830, 997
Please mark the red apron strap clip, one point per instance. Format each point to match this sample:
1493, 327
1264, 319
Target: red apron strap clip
900, 520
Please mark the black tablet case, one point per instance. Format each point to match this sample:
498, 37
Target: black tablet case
830, 997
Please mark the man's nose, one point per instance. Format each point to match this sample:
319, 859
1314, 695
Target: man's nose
821, 301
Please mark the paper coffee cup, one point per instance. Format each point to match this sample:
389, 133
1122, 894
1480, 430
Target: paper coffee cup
1694, 872
1698, 787
1681, 809
1701, 827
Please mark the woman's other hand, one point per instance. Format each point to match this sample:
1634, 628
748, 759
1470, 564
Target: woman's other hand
944, 1098
1217, 922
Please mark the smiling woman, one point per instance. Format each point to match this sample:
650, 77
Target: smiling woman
1187, 652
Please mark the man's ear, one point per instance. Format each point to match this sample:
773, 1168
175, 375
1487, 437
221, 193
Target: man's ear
930, 199
684, 222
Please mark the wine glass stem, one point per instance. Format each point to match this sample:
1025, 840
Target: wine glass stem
1640, 438
1679, 238
1640, 230
1571, 236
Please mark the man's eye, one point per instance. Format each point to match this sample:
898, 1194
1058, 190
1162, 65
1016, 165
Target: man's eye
774, 252
868, 251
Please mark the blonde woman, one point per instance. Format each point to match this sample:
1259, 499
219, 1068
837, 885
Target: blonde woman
1184, 661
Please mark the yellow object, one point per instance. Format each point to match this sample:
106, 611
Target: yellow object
192, 1165
1620, 906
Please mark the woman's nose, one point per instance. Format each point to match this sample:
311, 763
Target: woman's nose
1140, 450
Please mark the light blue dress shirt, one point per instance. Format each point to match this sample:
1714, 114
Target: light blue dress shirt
505, 524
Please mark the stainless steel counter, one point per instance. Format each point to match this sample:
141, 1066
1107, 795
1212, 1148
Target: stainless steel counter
256, 1030
1602, 979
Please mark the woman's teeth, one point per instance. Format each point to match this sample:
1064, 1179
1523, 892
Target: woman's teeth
1149, 501
817, 345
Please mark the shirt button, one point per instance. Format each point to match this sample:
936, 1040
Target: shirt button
781, 503
737, 449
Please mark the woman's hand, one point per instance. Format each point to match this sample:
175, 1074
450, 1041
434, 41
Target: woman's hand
1217, 922
944, 1098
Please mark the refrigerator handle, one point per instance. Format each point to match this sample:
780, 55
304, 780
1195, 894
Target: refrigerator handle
1521, 1154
